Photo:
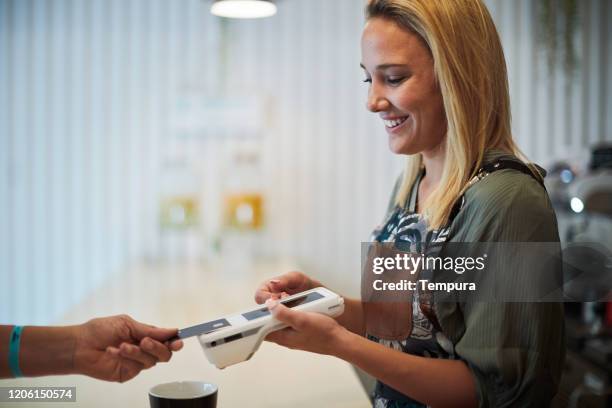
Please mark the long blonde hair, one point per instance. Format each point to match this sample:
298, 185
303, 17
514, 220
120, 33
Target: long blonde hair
470, 69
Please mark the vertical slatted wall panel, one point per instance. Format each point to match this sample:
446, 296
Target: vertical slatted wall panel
39, 160
5, 161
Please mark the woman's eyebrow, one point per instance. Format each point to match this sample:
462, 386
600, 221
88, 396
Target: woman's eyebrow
384, 66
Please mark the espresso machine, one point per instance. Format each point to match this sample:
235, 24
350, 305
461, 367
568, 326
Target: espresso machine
583, 203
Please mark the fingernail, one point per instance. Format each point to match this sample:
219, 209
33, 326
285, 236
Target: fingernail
274, 281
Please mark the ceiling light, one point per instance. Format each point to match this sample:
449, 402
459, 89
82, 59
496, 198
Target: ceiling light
243, 8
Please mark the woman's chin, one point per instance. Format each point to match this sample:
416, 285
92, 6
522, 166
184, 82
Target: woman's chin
399, 145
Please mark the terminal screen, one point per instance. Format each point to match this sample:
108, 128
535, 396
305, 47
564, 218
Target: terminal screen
256, 314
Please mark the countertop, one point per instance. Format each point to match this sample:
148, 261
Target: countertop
181, 296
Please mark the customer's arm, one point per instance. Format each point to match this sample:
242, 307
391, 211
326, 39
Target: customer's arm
43, 350
113, 349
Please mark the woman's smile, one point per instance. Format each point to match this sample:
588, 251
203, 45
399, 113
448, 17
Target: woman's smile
393, 124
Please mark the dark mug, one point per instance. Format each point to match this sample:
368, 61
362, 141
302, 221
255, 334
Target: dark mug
183, 394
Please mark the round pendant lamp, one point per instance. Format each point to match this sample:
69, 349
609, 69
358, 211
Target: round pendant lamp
243, 8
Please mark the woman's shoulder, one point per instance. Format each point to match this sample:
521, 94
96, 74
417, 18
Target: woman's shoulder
507, 205
506, 189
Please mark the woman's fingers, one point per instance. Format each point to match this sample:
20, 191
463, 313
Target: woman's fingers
261, 295
285, 337
288, 283
269, 289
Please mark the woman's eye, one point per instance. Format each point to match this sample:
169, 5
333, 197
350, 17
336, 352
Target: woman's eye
394, 80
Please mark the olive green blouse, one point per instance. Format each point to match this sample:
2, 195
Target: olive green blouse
515, 351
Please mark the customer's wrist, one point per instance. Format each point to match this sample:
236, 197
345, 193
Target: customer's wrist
47, 350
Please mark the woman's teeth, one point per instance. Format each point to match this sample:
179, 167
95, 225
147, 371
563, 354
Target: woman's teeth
395, 122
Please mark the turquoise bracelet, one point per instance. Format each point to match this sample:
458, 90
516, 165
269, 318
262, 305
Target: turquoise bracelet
14, 351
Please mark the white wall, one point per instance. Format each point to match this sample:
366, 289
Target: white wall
88, 89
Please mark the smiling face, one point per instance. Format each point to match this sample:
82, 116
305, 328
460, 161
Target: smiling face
403, 89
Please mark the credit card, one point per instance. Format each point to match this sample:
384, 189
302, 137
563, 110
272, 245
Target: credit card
202, 328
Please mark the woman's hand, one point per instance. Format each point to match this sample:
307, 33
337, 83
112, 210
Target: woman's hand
117, 348
286, 284
307, 331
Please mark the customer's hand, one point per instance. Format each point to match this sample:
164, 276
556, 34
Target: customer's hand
307, 331
284, 285
117, 348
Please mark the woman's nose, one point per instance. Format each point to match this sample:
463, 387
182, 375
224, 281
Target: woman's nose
376, 101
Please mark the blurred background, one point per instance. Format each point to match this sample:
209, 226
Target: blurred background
151, 134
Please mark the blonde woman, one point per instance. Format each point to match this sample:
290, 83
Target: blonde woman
437, 79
